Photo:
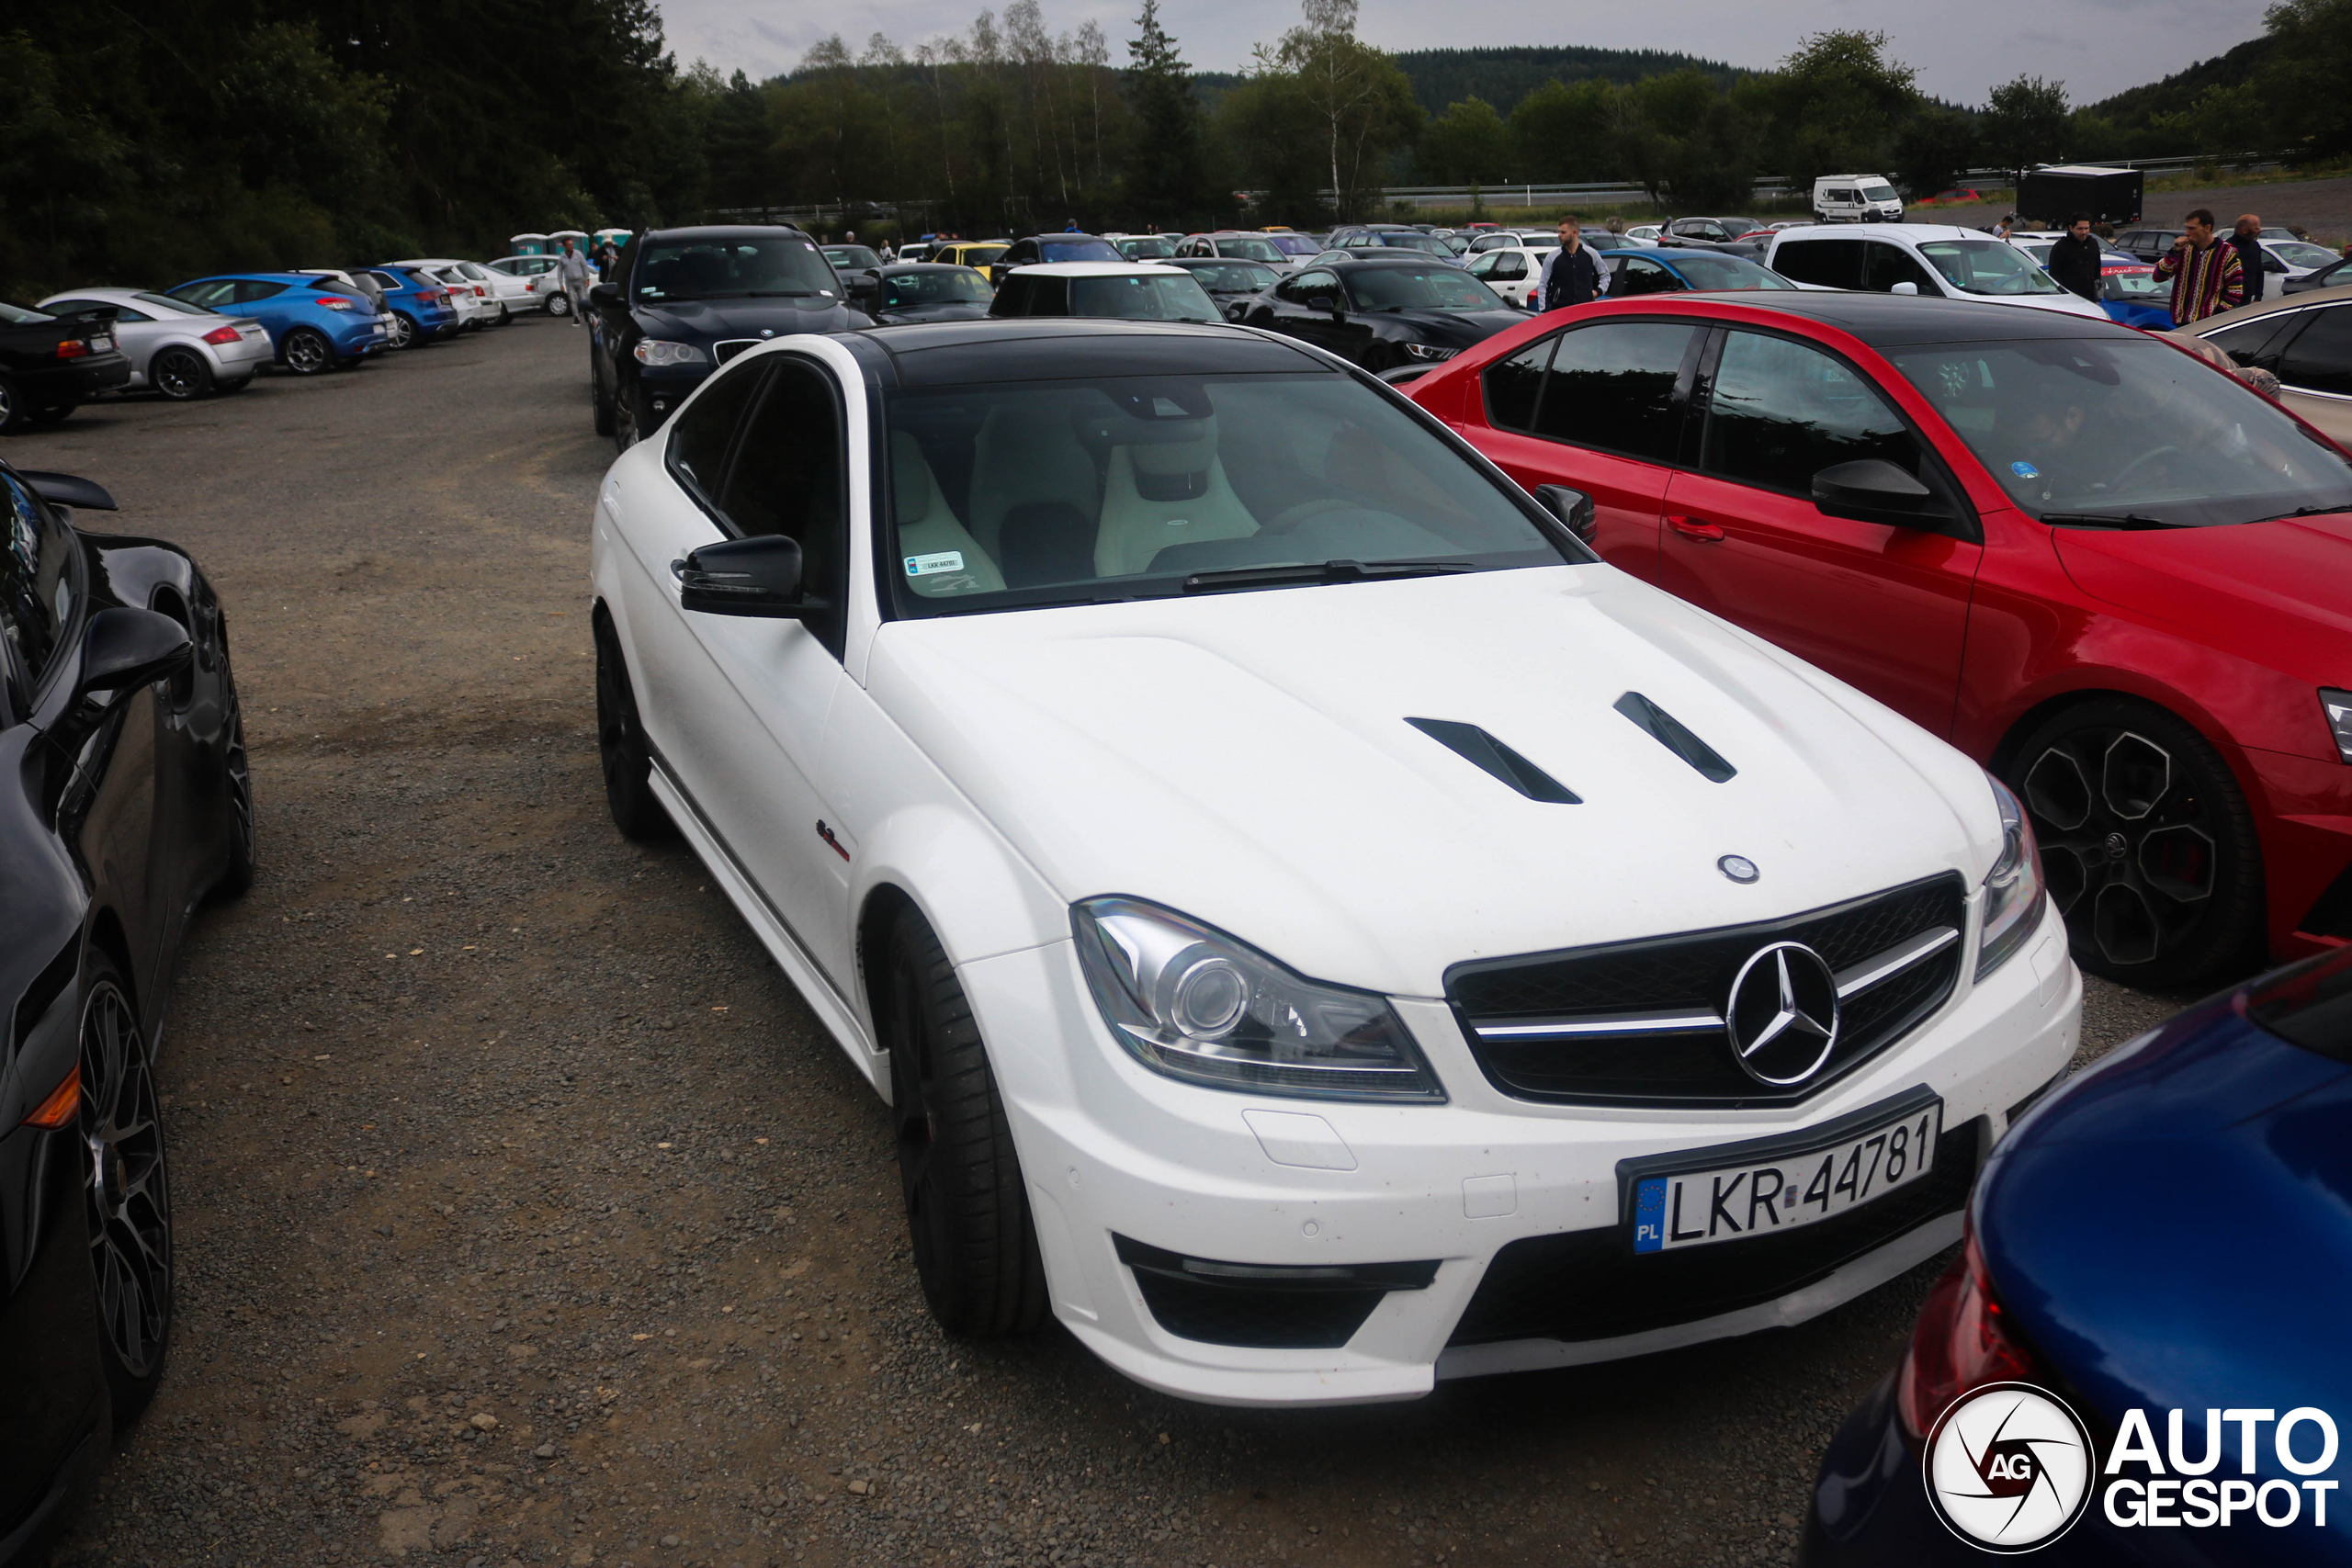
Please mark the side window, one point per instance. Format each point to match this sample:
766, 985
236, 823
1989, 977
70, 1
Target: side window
705, 429
1639, 275
788, 474
1885, 265
211, 296
1509, 266
2251, 343
1513, 384
250, 289
1837, 263
1482, 266
1781, 411
36, 582
2320, 357
1012, 297
1314, 288
1612, 387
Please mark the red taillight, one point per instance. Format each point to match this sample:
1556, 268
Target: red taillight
334, 302
480, 292
71, 348
221, 336
1962, 1341
434, 295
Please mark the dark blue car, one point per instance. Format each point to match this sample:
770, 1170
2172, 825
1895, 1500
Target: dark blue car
2144, 1354
316, 323
419, 307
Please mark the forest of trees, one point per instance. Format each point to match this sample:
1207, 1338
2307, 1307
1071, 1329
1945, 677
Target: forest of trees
143, 141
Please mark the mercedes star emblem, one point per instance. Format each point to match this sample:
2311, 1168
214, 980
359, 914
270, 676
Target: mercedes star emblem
1739, 868
1782, 1015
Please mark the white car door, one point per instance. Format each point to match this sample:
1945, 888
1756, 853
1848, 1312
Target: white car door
736, 704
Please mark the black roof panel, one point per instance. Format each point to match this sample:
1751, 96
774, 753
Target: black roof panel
957, 354
1901, 320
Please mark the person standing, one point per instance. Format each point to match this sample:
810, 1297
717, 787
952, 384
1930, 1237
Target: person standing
608, 261
2248, 242
572, 268
2074, 261
1572, 275
2207, 279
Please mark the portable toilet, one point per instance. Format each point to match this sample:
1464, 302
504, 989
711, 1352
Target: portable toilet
528, 245
616, 238
579, 242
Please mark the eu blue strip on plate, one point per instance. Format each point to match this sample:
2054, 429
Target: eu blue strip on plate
1649, 1214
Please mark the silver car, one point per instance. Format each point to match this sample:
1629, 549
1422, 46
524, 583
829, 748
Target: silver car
180, 350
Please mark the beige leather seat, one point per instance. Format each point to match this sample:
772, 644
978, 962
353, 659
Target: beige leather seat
1137, 523
928, 528
1027, 454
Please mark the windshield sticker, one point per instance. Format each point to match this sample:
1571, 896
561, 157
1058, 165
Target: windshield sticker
2025, 470
945, 560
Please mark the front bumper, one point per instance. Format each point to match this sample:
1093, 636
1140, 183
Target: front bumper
1111, 1150
2304, 817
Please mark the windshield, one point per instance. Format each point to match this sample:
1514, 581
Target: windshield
1703, 271
17, 316
853, 258
1129, 485
1149, 248
731, 269
2131, 283
962, 286
1077, 250
1411, 240
1249, 247
1385, 288
2294, 253
1293, 245
1987, 266
1165, 297
180, 307
1878, 190
1234, 276
980, 255
2130, 428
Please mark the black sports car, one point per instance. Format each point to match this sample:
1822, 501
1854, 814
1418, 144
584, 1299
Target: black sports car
1232, 281
1385, 313
49, 367
125, 801
689, 300
925, 291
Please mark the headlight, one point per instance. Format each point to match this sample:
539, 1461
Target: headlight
1194, 1004
659, 351
1430, 351
2337, 705
2012, 888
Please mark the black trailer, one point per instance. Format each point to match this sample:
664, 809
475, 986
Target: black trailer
2053, 195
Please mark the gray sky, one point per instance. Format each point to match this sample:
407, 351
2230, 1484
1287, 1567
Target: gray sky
2095, 47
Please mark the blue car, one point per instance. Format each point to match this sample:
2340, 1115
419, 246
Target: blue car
2144, 1353
2130, 292
419, 307
316, 323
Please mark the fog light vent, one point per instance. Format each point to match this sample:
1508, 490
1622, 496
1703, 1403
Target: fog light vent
1267, 1307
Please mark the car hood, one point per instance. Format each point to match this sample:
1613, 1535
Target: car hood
1245, 758
1457, 329
711, 319
2263, 586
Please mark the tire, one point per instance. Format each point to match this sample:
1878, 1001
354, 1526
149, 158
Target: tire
308, 352
600, 408
180, 374
632, 419
559, 304
14, 414
234, 386
126, 1192
626, 760
968, 1208
237, 872
505, 315
405, 333
2147, 843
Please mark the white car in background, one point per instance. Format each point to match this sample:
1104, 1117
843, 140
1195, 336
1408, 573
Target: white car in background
1511, 270
180, 350
2288, 257
1932, 259
541, 280
470, 291
1318, 928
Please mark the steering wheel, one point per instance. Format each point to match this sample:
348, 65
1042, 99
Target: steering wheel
1292, 516
2136, 464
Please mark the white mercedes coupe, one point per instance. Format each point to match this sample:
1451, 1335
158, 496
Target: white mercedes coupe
1317, 928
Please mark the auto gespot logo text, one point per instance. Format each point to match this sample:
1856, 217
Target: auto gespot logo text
2146, 1488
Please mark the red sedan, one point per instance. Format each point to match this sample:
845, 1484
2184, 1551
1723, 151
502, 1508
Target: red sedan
2115, 576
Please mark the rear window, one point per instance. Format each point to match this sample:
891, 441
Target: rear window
1077, 250
17, 316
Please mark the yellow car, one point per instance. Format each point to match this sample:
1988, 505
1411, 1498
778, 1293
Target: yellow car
976, 254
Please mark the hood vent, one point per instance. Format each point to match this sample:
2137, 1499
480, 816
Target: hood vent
1474, 745
1671, 735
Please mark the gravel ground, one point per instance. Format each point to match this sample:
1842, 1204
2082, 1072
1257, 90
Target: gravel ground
527, 1217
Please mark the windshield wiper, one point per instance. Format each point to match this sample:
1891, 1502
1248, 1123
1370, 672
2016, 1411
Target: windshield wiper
2306, 512
1320, 571
2130, 520
782, 293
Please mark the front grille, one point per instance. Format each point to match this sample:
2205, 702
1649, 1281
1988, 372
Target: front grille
728, 348
1640, 1022
1590, 1284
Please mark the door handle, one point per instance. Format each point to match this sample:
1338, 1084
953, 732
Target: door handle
1691, 528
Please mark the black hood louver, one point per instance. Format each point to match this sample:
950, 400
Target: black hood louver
1474, 745
1671, 735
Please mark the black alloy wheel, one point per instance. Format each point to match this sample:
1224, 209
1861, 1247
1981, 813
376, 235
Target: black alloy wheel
126, 1192
600, 407
621, 748
404, 333
237, 875
308, 352
2147, 844
632, 419
14, 414
967, 1210
180, 374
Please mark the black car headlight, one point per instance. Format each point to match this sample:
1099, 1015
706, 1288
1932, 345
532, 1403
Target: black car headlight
1430, 351
659, 351
1189, 1001
2012, 888
2338, 706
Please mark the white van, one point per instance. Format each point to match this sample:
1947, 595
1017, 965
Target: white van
1856, 199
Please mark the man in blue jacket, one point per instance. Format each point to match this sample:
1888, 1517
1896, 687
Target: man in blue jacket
1572, 275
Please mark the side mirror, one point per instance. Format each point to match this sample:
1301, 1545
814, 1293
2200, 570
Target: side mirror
67, 490
1871, 490
759, 575
124, 649
1907, 288
1572, 507
605, 293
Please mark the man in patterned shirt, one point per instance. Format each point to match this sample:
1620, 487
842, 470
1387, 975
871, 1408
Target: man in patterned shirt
2207, 278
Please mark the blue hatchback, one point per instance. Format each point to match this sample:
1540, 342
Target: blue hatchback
2144, 1353
316, 323
420, 307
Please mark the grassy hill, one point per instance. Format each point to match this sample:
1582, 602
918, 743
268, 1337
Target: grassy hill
2132, 108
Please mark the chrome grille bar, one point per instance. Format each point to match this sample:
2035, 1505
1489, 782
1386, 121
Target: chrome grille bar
1886, 965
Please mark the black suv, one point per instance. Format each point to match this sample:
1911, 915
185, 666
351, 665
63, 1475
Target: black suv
686, 300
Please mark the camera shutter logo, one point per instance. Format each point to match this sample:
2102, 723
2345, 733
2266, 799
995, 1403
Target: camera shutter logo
2009, 1468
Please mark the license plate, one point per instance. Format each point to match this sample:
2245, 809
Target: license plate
102, 346
1761, 1196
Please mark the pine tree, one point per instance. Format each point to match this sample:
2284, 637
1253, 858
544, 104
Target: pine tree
1168, 168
